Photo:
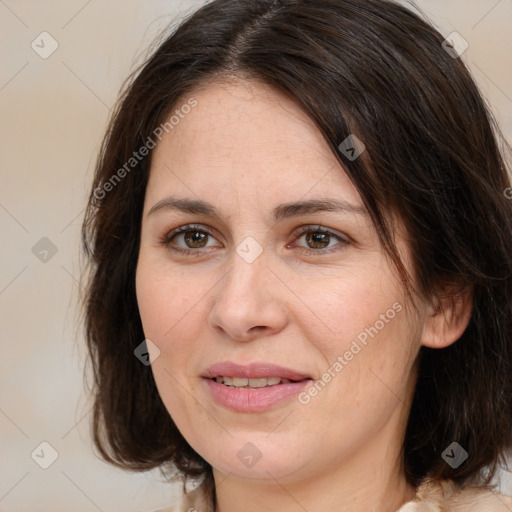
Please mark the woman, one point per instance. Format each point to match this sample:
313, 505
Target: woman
301, 265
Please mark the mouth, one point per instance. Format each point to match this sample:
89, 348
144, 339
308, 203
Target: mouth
255, 387
245, 383
253, 371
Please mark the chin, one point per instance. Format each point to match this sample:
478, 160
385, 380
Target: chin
259, 459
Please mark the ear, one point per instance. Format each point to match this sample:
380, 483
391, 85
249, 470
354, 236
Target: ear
448, 319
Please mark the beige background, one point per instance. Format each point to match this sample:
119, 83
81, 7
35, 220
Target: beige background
53, 114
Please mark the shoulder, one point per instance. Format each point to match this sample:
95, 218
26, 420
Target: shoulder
445, 496
193, 501
442, 496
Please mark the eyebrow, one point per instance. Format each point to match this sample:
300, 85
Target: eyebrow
280, 212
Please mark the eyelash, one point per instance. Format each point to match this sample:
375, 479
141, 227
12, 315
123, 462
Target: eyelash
167, 239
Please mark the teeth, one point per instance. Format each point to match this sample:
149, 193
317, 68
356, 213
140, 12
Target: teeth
241, 382
261, 383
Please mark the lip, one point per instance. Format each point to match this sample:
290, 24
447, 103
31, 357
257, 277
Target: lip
253, 400
253, 371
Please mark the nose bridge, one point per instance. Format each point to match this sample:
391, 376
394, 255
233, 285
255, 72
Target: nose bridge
248, 262
246, 278
244, 299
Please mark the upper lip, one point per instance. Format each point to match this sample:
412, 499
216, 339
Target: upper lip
252, 371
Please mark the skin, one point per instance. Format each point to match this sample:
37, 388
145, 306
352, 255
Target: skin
246, 148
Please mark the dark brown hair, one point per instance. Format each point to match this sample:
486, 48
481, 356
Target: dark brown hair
366, 67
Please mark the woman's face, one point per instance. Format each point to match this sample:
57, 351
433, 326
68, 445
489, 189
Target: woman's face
276, 275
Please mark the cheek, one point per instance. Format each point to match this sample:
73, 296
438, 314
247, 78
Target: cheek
163, 298
169, 308
172, 307
364, 332
342, 307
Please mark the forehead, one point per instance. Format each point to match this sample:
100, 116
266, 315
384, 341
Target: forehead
248, 133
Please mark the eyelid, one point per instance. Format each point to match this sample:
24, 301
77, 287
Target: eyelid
342, 238
322, 229
166, 239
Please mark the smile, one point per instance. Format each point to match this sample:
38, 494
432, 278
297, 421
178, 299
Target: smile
255, 387
244, 383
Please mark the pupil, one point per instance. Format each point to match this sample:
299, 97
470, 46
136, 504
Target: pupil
195, 238
318, 240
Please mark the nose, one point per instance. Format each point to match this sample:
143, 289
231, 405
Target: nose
250, 301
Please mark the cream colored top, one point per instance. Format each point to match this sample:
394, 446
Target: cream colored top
430, 497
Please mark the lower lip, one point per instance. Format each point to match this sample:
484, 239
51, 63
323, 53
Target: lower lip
253, 400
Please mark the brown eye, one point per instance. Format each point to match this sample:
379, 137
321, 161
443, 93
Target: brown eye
195, 239
189, 240
317, 240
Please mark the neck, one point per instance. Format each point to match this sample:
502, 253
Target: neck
368, 483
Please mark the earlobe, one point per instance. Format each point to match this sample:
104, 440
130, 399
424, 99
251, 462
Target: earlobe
448, 318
